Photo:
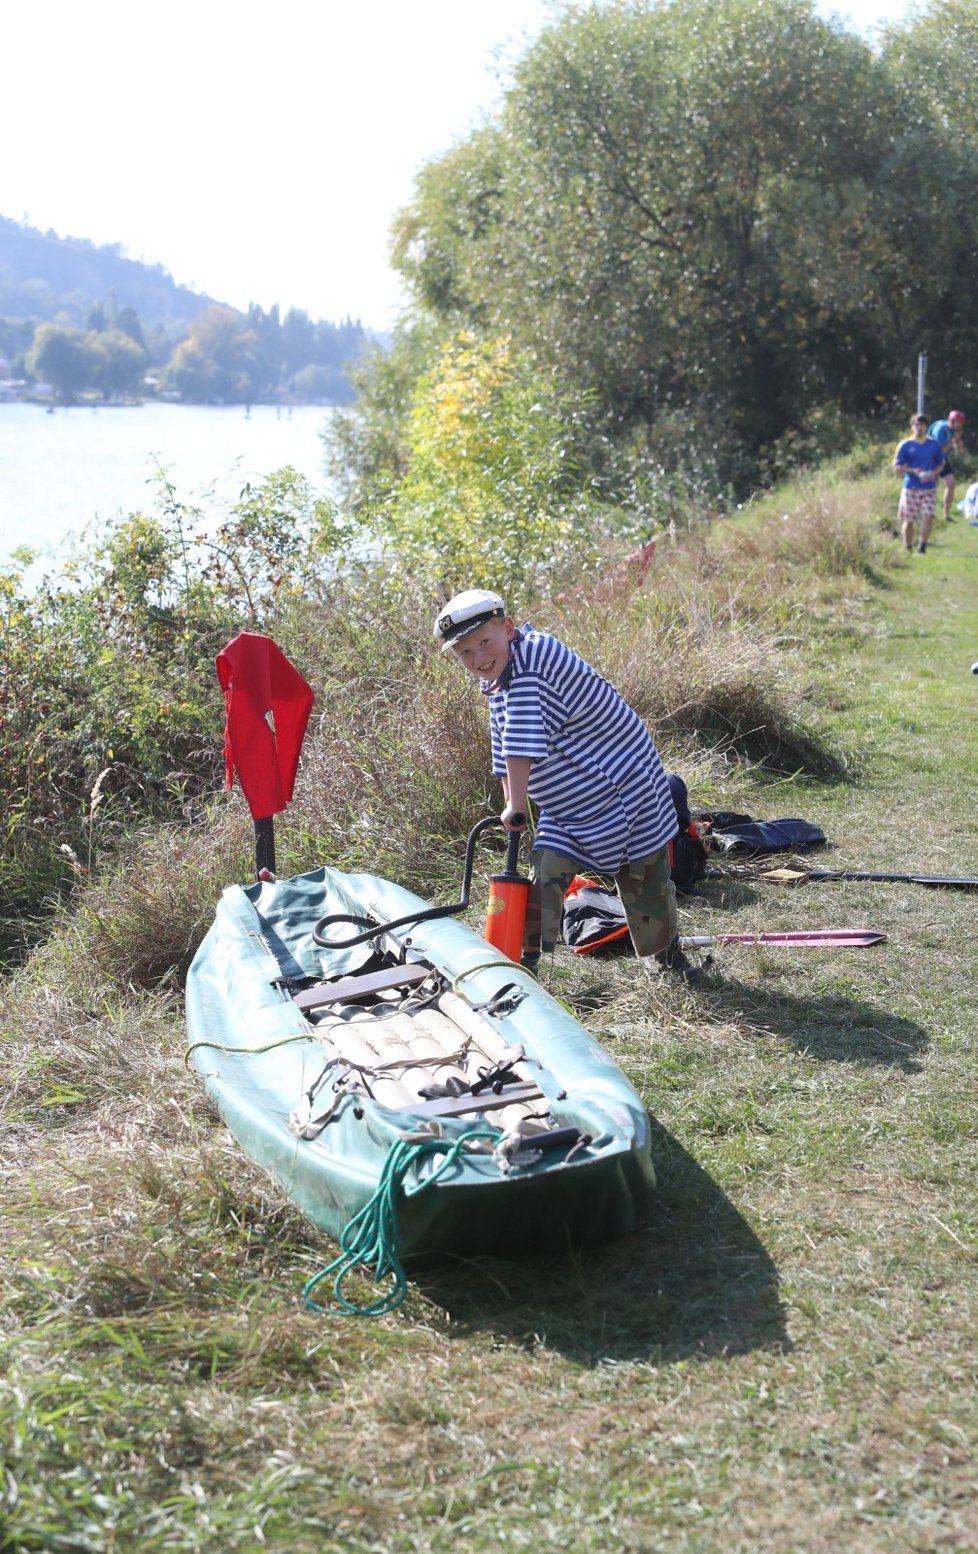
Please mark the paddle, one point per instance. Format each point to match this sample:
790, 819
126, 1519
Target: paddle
797, 876
814, 939
268, 706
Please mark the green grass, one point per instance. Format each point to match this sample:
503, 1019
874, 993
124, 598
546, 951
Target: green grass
783, 1360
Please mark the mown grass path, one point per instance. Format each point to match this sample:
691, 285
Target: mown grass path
831, 1097
783, 1361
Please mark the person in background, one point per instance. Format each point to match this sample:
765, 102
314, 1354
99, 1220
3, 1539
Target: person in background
918, 459
955, 420
943, 432
561, 735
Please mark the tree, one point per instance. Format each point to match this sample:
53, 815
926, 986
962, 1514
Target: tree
933, 66
367, 445
128, 323
216, 363
298, 340
121, 362
267, 330
703, 210
321, 385
65, 358
16, 338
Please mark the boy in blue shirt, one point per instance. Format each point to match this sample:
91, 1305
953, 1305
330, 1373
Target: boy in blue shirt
563, 736
918, 459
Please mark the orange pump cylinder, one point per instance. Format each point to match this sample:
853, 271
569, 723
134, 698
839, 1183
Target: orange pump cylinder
506, 913
509, 894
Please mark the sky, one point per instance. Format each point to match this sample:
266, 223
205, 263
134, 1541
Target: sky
258, 152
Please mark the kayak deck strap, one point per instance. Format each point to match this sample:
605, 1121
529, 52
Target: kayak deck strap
347, 989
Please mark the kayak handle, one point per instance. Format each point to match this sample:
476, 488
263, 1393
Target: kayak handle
375, 929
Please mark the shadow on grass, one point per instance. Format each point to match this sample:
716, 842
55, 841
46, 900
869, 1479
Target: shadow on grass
831, 1027
695, 1282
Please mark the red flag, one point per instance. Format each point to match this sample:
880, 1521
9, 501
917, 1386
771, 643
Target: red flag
268, 706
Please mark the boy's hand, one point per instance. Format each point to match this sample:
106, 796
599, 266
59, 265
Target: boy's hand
513, 819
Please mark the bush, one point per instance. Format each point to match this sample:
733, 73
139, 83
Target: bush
492, 491
109, 709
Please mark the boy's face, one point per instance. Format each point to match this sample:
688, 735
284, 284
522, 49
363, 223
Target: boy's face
485, 651
919, 425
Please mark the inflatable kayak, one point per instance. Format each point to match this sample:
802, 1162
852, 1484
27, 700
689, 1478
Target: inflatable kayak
511, 1126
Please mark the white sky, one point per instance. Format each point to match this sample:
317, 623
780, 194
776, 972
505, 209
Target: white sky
257, 151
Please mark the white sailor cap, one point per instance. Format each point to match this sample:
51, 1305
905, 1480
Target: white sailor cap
465, 613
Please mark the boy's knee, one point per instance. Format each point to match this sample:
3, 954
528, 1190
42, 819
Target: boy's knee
551, 874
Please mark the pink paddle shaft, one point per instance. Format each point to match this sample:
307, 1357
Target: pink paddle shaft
819, 938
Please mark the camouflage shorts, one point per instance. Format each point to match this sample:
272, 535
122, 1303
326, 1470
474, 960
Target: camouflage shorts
644, 887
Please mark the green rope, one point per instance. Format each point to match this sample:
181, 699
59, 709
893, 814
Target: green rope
269, 1046
370, 1238
482, 965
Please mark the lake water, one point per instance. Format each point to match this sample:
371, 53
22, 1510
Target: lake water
59, 471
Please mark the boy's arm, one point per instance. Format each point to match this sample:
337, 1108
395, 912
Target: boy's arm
514, 789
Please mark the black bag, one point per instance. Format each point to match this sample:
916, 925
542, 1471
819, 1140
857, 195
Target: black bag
710, 820
764, 836
593, 918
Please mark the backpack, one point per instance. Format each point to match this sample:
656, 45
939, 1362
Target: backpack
687, 860
687, 855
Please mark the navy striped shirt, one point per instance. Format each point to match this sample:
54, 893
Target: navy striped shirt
596, 774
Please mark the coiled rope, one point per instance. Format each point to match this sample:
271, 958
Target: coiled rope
370, 1238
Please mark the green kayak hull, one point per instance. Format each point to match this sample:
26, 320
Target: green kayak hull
258, 1055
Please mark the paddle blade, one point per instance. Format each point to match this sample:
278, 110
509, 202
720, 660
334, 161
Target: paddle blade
816, 939
797, 876
268, 706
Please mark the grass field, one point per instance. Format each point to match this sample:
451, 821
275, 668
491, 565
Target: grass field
783, 1360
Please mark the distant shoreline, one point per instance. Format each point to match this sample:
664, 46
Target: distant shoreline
45, 402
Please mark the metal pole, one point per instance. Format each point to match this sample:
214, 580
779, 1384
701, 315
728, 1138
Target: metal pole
265, 846
921, 380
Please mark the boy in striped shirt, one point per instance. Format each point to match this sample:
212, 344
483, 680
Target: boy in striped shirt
562, 736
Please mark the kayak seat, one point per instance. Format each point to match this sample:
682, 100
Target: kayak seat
485, 1101
350, 989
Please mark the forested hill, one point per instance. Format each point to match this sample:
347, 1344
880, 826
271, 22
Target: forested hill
42, 275
81, 321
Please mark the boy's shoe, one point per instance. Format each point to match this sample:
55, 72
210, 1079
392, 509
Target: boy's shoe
921, 548
674, 962
530, 962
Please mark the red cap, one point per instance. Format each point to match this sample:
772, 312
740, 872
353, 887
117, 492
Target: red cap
956, 417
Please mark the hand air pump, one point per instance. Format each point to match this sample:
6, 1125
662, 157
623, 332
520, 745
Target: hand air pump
505, 913
509, 894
